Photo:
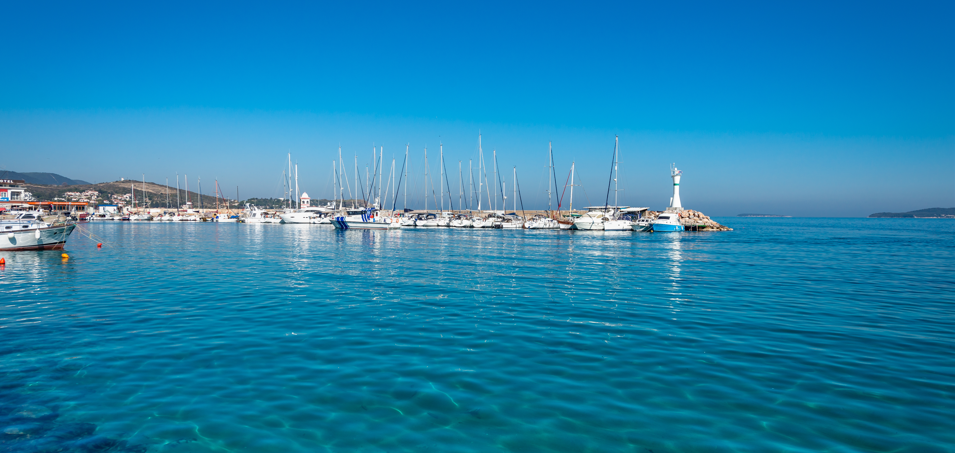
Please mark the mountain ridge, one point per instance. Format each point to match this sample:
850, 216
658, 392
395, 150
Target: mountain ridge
43, 178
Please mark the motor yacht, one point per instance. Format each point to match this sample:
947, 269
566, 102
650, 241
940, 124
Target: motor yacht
27, 231
593, 219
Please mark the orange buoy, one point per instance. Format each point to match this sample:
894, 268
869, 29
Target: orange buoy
2, 261
65, 256
99, 245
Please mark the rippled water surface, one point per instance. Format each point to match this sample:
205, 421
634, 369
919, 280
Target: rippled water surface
800, 335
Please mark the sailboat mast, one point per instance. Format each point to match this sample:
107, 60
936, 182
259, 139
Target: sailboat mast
341, 180
550, 165
406, 165
515, 189
178, 201
335, 182
480, 167
616, 170
460, 186
425, 179
381, 161
495, 179
354, 205
144, 191
441, 181
298, 199
470, 186
571, 208
289, 180
393, 179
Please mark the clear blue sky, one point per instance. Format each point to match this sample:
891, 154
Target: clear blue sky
828, 108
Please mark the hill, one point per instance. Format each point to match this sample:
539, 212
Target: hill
121, 192
112, 192
930, 213
49, 179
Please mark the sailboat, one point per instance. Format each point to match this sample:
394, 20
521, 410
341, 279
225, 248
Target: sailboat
605, 217
143, 216
547, 223
567, 224
428, 220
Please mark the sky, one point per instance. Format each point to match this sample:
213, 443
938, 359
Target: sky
792, 108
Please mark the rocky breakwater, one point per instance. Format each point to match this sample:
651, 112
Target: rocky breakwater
696, 219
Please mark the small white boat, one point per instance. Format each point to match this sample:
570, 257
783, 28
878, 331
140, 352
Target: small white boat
618, 225
407, 221
226, 218
593, 219
542, 223
427, 221
297, 216
641, 225
461, 221
444, 220
140, 218
512, 222
668, 222
364, 219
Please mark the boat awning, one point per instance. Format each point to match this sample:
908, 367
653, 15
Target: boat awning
627, 210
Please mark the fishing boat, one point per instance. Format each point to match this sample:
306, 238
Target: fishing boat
642, 225
226, 218
28, 232
364, 219
636, 216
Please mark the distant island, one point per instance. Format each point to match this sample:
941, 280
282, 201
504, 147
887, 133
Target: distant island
762, 215
930, 213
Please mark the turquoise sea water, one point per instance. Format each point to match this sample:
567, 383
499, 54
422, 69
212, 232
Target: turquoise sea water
798, 335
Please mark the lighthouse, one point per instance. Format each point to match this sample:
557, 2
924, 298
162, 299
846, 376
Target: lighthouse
675, 204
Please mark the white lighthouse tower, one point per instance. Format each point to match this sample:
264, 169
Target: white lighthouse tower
675, 204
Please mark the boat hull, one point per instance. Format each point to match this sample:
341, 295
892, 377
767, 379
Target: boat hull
667, 228
617, 225
341, 224
589, 226
50, 238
